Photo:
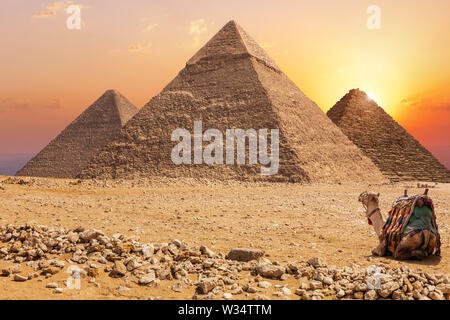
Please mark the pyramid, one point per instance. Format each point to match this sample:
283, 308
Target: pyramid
232, 83
397, 154
71, 150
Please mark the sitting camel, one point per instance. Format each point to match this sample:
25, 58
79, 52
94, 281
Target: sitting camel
414, 239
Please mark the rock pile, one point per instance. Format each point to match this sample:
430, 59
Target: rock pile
50, 250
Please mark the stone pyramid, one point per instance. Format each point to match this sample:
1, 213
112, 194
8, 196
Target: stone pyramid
74, 147
232, 83
396, 153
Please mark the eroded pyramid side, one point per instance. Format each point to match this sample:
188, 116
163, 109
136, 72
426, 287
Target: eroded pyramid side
67, 154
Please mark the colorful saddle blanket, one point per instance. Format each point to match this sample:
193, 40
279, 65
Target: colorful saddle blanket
409, 214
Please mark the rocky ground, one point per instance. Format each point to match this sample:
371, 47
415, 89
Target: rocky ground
175, 240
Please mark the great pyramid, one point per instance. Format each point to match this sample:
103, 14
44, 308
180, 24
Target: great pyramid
396, 153
232, 83
81, 140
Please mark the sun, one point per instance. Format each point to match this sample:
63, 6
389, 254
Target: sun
372, 96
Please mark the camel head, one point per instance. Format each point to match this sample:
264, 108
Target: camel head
369, 199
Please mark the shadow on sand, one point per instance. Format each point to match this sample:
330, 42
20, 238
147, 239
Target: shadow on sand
429, 261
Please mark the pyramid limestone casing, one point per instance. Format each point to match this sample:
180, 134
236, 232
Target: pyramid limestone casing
396, 153
232, 83
81, 140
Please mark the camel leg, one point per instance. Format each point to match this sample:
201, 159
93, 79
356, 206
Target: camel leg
432, 242
411, 247
380, 250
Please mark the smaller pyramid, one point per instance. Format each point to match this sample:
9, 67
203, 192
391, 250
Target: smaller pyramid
81, 140
394, 151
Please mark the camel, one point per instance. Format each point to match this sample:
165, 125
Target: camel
418, 244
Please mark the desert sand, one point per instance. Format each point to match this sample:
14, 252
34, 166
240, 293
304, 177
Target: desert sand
290, 222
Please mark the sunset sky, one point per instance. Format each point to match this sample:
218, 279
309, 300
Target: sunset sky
50, 74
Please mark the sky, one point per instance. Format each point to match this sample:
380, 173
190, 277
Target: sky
49, 73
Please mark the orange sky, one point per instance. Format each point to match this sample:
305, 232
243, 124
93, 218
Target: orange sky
49, 74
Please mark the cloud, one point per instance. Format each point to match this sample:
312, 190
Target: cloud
198, 27
425, 103
12, 105
53, 8
54, 105
8, 104
44, 14
150, 27
138, 47
268, 45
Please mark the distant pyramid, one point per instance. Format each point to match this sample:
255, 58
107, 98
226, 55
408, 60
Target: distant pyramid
398, 155
74, 147
232, 83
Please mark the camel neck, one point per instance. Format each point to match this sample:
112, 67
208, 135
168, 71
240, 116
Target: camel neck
376, 219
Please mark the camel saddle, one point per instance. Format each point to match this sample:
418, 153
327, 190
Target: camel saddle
410, 215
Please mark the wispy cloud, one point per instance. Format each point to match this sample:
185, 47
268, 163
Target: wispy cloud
198, 27
268, 45
150, 27
54, 105
13, 105
138, 47
44, 14
53, 8
423, 102
9, 104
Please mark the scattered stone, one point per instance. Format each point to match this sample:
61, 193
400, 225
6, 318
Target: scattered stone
264, 284
250, 289
268, 270
340, 293
205, 250
122, 288
435, 295
20, 278
244, 254
5, 272
327, 281
227, 295
316, 262
90, 234
148, 278
358, 295
370, 295
178, 286
314, 285
206, 285
42, 248
119, 269
286, 291
300, 292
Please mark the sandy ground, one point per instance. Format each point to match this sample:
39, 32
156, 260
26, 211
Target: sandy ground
290, 222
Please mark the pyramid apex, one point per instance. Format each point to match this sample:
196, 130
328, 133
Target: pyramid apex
111, 92
357, 92
233, 22
232, 40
